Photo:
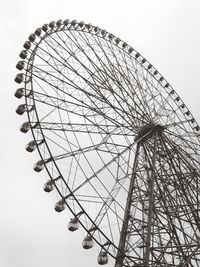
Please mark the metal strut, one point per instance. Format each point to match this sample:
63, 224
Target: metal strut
123, 235
151, 204
122, 241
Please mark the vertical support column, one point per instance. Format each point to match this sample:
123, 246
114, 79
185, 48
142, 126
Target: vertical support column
123, 234
151, 204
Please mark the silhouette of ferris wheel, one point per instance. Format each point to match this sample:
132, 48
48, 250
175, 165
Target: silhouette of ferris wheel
119, 145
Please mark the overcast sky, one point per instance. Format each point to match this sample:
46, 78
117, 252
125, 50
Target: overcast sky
166, 32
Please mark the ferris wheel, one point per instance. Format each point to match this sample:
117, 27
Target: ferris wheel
119, 145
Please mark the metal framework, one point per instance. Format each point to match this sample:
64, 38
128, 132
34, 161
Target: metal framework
119, 145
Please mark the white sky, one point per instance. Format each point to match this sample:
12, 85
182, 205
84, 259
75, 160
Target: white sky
166, 32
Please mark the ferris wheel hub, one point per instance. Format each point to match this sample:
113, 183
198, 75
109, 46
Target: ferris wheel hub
147, 131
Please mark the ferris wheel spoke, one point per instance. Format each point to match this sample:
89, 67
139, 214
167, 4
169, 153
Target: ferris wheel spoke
58, 103
109, 88
159, 100
118, 83
187, 143
100, 170
78, 99
66, 65
93, 186
130, 77
177, 123
85, 128
106, 206
107, 70
154, 95
97, 111
139, 80
128, 85
82, 150
55, 90
116, 71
